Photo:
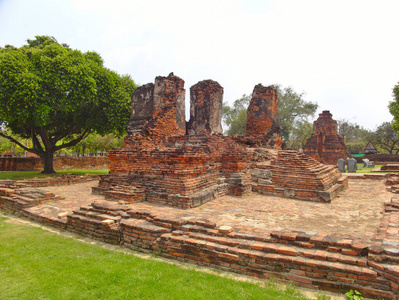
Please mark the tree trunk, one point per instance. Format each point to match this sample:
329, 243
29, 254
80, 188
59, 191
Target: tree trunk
47, 159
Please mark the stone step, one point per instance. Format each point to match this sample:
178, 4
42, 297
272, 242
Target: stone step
140, 225
261, 255
139, 234
96, 215
275, 247
330, 194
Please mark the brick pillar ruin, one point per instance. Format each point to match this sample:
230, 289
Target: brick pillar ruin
206, 99
160, 163
142, 108
158, 109
262, 126
325, 145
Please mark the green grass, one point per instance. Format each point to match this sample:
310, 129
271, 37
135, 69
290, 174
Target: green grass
366, 170
36, 264
20, 175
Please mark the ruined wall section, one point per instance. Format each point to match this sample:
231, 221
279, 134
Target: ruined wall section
142, 108
262, 110
186, 173
262, 127
161, 163
169, 97
206, 99
158, 111
325, 145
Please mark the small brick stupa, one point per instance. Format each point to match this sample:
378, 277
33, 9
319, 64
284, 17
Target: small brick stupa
325, 145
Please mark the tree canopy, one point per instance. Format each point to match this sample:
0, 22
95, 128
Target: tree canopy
386, 138
394, 107
56, 96
355, 136
293, 114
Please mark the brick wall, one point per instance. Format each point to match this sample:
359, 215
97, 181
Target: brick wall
379, 159
60, 163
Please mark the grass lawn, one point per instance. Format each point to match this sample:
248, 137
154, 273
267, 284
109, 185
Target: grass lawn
366, 170
37, 264
20, 175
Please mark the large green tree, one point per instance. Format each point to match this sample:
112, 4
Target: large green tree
293, 114
56, 96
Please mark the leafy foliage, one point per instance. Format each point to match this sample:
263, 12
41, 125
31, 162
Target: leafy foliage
355, 136
300, 134
57, 96
235, 117
293, 114
394, 107
353, 295
95, 143
386, 138
292, 110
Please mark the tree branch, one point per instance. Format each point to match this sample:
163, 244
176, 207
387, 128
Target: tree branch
36, 142
64, 133
45, 139
73, 142
19, 143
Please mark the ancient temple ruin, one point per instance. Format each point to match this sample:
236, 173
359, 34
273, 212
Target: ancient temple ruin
325, 145
166, 160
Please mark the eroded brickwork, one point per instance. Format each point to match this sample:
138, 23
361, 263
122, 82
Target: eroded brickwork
160, 163
325, 145
206, 99
158, 111
262, 127
60, 163
295, 175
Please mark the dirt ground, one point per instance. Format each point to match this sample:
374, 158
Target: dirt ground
356, 211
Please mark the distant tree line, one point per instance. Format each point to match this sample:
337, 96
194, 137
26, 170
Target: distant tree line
92, 145
295, 116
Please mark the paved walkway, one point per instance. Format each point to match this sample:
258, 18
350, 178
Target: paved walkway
357, 211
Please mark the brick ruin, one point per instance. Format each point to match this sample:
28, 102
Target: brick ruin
166, 160
315, 260
325, 145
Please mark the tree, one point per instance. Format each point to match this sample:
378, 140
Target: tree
355, 136
386, 138
235, 117
293, 113
300, 134
95, 142
292, 110
56, 96
394, 107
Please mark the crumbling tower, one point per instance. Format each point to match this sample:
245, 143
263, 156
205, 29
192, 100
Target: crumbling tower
325, 145
162, 162
262, 127
206, 99
158, 109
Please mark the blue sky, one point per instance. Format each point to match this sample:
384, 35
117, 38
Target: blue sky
342, 54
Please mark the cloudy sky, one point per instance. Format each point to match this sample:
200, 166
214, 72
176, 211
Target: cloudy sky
343, 54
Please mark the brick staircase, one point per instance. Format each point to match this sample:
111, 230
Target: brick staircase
312, 260
24, 197
299, 176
